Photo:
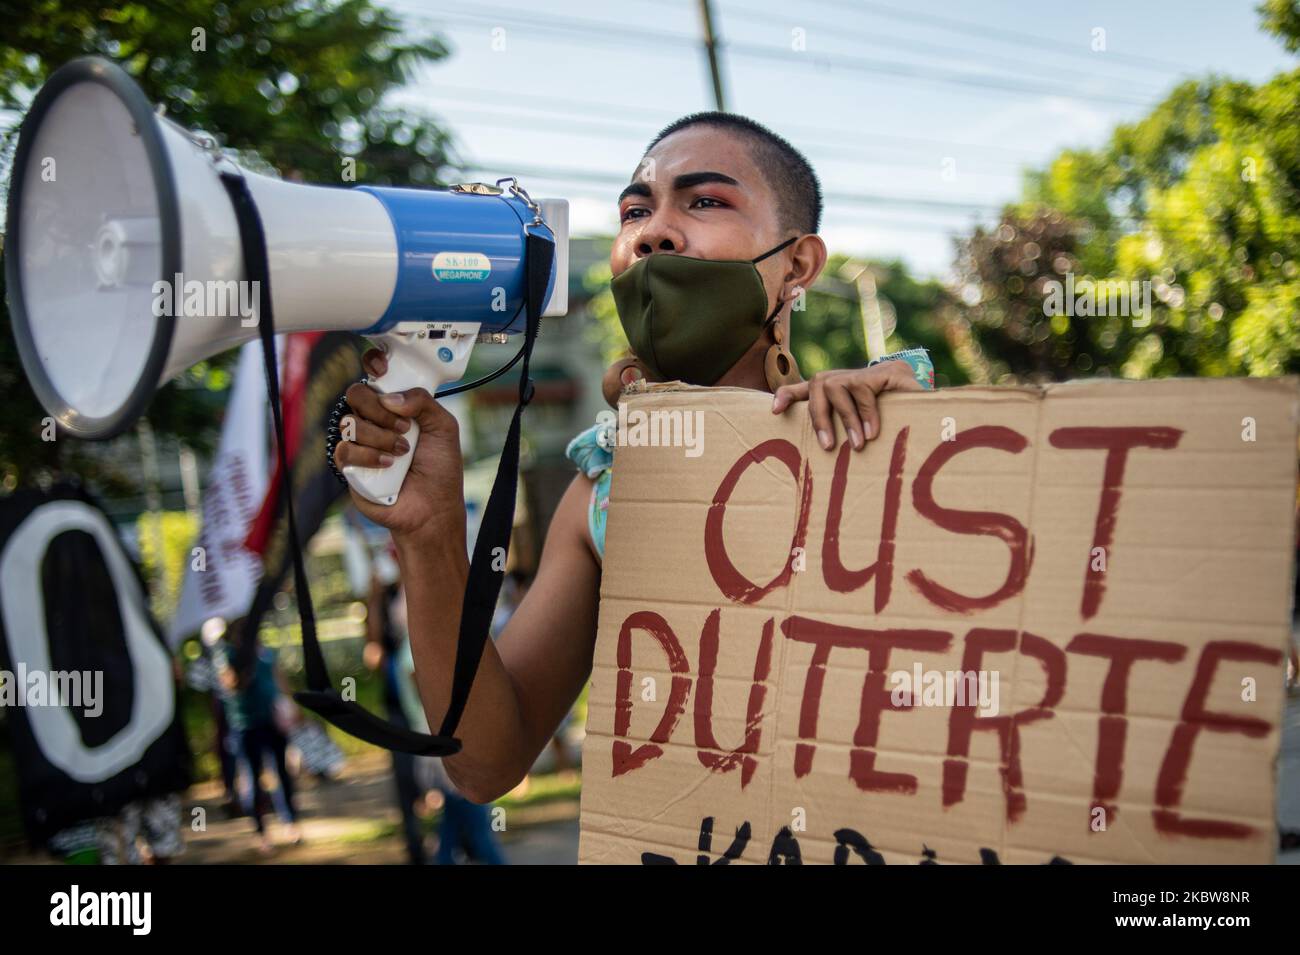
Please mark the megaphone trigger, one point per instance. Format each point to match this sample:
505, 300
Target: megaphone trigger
420, 355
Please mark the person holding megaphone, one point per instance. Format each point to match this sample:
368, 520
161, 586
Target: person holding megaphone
135, 248
713, 250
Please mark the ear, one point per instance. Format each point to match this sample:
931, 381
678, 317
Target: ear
612, 383
807, 259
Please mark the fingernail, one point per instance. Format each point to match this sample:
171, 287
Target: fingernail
776, 402
855, 438
866, 426
385, 460
825, 439
630, 375
392, 402
401, 446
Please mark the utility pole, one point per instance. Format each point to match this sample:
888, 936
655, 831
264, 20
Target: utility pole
711, 51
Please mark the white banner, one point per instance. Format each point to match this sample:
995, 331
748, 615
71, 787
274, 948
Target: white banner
221, 575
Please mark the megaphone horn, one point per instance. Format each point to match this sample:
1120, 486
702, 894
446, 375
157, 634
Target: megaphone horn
124, 264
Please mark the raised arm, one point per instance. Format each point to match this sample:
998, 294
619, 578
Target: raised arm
529, 678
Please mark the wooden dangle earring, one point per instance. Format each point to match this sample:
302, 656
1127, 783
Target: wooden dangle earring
780, 366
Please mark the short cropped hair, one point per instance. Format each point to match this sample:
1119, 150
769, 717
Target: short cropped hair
789, 174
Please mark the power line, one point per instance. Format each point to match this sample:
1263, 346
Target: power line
595, 32
840, 32
507, 119
582, 107
966, 81
970, 28
1171, 69
832, 152
852, 198
568, 104
911, 205
622, 179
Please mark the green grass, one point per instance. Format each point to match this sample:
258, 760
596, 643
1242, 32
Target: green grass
371, 831
544, 789
541, 790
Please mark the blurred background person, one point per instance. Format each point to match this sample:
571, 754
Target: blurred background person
466, 826
383, 642
250, 703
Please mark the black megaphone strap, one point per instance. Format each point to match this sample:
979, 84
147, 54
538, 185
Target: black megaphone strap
484, 582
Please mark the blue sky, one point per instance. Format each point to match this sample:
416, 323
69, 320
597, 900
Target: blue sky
919, 115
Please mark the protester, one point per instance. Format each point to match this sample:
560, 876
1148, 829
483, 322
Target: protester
250, 701
714, 251
202, 676
317, 754
466, 825
383, 642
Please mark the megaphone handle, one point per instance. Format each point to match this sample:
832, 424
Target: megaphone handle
420, 355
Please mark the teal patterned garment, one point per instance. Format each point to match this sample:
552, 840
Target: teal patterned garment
592, 453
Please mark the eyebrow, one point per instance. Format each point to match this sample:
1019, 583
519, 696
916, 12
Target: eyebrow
635, 189
684, 181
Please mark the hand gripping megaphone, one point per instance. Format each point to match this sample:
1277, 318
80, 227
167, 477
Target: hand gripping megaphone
125, 264
134, 248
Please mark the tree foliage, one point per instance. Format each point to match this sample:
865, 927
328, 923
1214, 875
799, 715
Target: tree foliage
1200, 199
294, 87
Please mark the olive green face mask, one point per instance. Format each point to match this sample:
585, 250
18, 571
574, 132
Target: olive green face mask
692, 319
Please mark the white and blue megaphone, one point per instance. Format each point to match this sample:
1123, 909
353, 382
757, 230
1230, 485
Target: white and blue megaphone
123, 258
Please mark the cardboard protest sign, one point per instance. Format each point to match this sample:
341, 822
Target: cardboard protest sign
1024, 625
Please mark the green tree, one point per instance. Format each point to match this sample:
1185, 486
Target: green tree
292, 87
1004, 275
1200, 199
1282, 19
165, 542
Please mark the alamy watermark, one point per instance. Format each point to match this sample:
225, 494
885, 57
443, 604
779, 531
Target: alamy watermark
921, 687
1089, 298
76, 689
209, 299
130, 909
660, 428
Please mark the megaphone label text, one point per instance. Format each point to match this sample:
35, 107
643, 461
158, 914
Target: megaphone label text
461, 267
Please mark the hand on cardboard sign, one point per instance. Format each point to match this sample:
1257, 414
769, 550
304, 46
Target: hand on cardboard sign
851, 393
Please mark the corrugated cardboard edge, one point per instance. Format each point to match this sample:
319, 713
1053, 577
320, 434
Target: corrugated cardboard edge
1081, 387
